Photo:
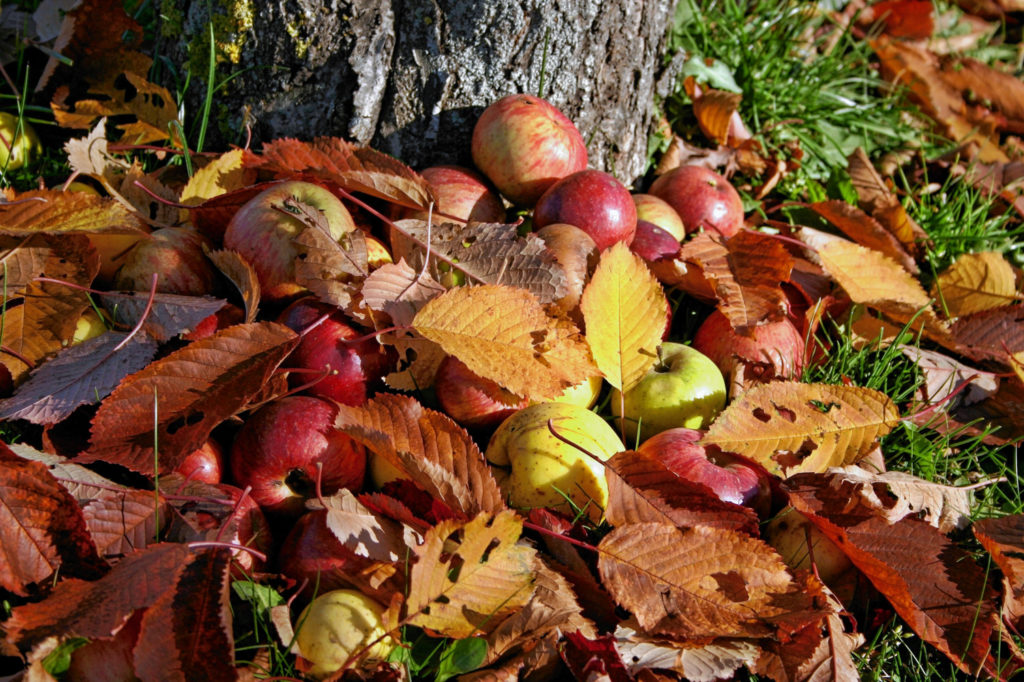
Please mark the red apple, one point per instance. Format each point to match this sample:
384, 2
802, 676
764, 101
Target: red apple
702, 198
470, 399
263, 229
593, 201
312, 552
730, 477
770, 350
463, 194
228, 315
176, 255
576, 252
285, 447
353, 369
658, 211
651, 242
524, 145
246, 526
205, 463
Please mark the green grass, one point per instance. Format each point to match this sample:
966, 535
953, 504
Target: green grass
806, 84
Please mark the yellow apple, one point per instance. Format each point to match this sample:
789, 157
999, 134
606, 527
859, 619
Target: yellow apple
545, 471
19, 144
337, 625
89, 325
583, 394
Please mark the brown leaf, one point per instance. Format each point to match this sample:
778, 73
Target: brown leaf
242, 275
938, 590
55, 212
431, 449
366, 533
990, 335
865, 230
166, 315
714, 110
101, 606
468, 575
909, 19
187, 393
976, 282
943, 376
1002, 538
641, 488
42, 529
700, 582
399, 291
989, 86
357, 169
719, 660
625, 309
186, 633
790, 427
874, 196
123, 522
332, 269
504, 334
83, 484
221, 175
152, 106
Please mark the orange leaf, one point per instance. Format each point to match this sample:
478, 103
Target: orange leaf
625, 311
790, 427
504, 334
54, 212
714, 110
976, 282
1003, 538
864, 230
220, 176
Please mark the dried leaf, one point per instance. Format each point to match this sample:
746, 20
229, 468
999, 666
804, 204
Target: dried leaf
943, 377
864, 230
54, 212
791, 427
399, 291
241, 273
365, 532
124, 522
185, 394
221, 175
418, 362
503, 334
874, 196
714, 110
641, 488
332, 269
625, 310
150, 197
700, 663
357, 169
989, 86
990, 336
80, 375
909, 19
153, 107
41, 528
468, 575
431, 449
976, 282
1002, 538
700, 582
80, 482
168, 316
938, 590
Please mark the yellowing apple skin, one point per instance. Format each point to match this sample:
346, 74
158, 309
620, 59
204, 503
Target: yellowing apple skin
684, 388
545, 470
338, 624
583, 394
19, 151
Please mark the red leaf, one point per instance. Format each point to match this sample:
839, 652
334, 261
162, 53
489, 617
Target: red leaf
910, 19
42, 529
188, 393
594, 658
992, 334
186, 634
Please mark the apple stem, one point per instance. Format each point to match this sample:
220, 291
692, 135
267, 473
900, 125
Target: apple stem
556, 434
201, 544
376, 333
318, 488
15, 354
160, 199
558, 536
936, 405
234, 511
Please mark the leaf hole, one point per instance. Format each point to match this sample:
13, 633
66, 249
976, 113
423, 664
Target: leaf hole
761, 415
181, 422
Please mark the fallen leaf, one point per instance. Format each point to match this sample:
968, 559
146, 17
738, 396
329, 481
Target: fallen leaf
719, 660
166, 315
399, 291
625, 311
976, 282
1001, 537
123, 522
991, 335
221, 175
865, 230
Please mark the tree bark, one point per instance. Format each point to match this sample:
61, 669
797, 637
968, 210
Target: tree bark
410, 77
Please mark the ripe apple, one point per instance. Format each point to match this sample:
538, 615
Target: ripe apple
658, 211
278, 449
312, 552
176, 255
470, 399
89, 326
338, 625
788, 533
263, 229
583, 394
229, 314
576, 252
461, 193
205, 463
772, 350
545, 471
353, 369
376, 253
651, 242
19, 144
730, 477
683, 388
702, 198
523, 144
593, 201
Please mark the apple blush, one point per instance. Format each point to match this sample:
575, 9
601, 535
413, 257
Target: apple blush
593, 201
704, 199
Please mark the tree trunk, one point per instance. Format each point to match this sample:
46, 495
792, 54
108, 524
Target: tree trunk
410, 77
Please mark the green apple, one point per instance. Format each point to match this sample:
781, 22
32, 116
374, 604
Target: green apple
544, 470
338, 624
683, 388
19, 144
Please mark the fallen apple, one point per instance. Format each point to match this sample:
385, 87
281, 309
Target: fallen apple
19, 144
470, 399
263, 229
338, 625
801, 545
176, 255
461, 193
285, 447
659, 212
683, 388
703, 199
593, 201
311, 552
524, 145
729, 476
576, 252
205, 463
651, 242
545, 471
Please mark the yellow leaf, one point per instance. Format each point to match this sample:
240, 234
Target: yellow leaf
790, 427
503, 334
468, 575
220, 176
625, 311
976, 282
